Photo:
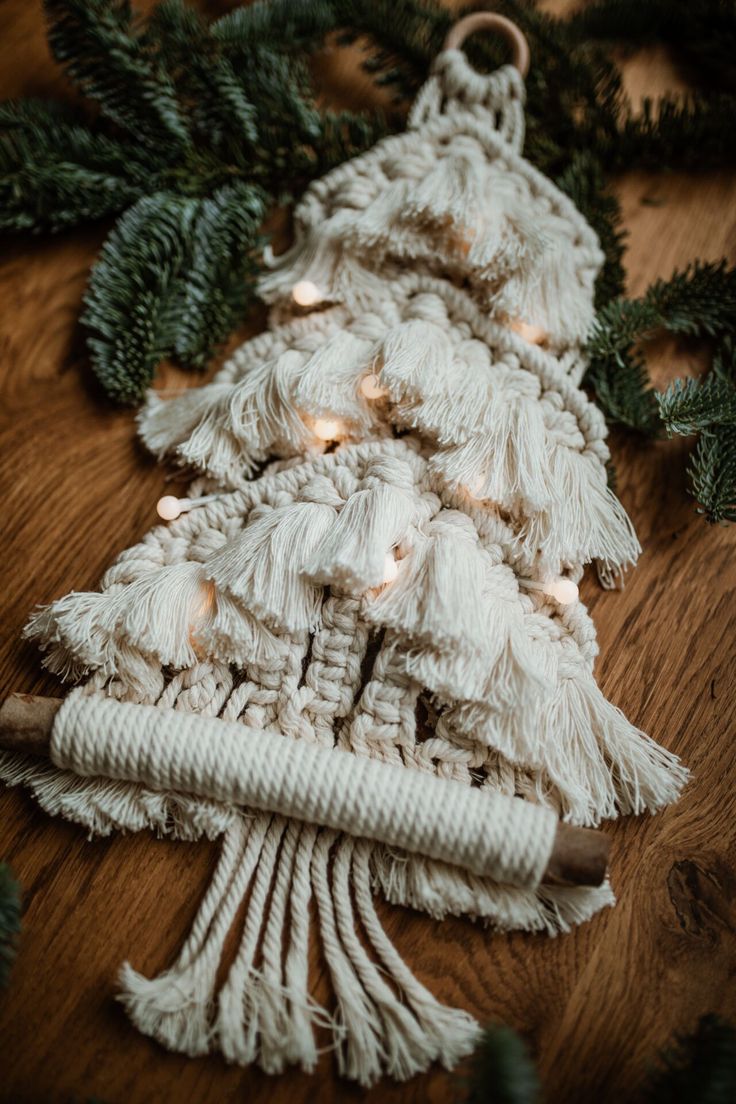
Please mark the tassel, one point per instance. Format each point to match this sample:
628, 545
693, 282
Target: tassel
195, 427
161, 612
157, 614
372, 522
330, 382
240, 999
358, 1027
276, 1045
163, 425
263, 565
261, 411
377, 225
236, 636
447, 1034
585, 521
454, 615
406, 1049
550, 293
435, 598
507, 461
313, 257
176, 1006
599, 765
508, 239
416, 358
453, 192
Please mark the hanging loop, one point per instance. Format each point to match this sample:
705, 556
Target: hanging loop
491, 21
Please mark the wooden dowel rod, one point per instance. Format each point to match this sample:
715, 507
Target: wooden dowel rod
579, 855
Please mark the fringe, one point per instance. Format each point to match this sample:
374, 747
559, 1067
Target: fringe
578, 752
508, 462
330, 383
176, 1007
585, 522
442, 890
352, 554
103, 806
263, 565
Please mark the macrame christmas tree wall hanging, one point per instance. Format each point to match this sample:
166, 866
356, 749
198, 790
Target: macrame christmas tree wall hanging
368, 670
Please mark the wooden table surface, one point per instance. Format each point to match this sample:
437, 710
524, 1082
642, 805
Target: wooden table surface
596, 1005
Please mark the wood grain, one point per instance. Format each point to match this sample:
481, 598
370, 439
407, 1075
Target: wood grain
596, 1004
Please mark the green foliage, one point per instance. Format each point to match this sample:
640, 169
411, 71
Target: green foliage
502, 1070
699, 1068
699, 302
10, 908
200, 127
175, 270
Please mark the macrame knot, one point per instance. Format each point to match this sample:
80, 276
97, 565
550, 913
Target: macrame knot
321, 490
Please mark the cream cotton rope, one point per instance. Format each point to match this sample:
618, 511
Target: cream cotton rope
363, 667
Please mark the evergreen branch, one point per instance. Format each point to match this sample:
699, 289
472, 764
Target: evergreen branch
688, 406
180, 272
130, 300
674, 132
702, 32
583, 181
96, 43
622, 389
712, 474
700, 301
10, 910
502, 1070
56, 173
220, 271
698, 1067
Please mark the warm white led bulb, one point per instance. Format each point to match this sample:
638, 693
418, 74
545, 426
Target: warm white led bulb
371, 387
535, 335
564, 591
390, 568
327, 429
305, 293
168, 508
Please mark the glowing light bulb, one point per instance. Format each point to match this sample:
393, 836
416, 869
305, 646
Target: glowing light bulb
306, 294
168, 508
371, 387
390, 568
564, 591
327, 429
535, 335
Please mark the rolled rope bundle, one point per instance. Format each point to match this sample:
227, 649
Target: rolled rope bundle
487, 834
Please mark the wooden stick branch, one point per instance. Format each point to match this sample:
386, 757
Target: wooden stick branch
579, 856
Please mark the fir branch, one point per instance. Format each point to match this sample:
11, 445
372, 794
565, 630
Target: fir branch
583, 181
712, 474
699, 1068
502, 1070
55, 173
700, 302
220, 271
701, 32
96, 43
688, 406
10, 910
179, 271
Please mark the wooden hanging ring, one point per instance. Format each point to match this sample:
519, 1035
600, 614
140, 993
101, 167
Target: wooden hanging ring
491, 21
